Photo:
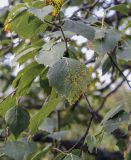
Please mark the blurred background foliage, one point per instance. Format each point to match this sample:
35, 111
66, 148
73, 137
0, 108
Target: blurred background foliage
67, 123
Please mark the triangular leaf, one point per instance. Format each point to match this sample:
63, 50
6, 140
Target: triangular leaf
79, 28
41, 13
108, 43
50, 57
70, 78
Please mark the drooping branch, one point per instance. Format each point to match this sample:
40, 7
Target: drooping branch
68, 144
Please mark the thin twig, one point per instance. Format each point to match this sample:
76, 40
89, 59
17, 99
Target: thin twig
63, 34
117, 67
64, 37
85, 8
92, 60
90, 107
57, 149
52, 23
85, 134
82, 139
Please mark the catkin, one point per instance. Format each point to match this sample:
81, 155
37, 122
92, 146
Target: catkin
57, 6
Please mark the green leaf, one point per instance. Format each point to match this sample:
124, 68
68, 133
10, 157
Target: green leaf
17, 119
26, 54
22, 72
114, 118
57, 34
47, 46
75, 3
41, 13
79, 28
59, 156
50, 57
70, 78
27, 25
111, 125
106, 65
16, 11
122, 8
27, 57
99, 33
113, 112
46, 109
27, 78
38, 4
38, 155
121, 144
91, 142
7, 103
26, 45
48, 125
72, 157
44, 82
125, 51
108, 43
19, 150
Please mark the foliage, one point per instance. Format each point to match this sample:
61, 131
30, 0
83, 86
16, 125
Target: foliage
52, 91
